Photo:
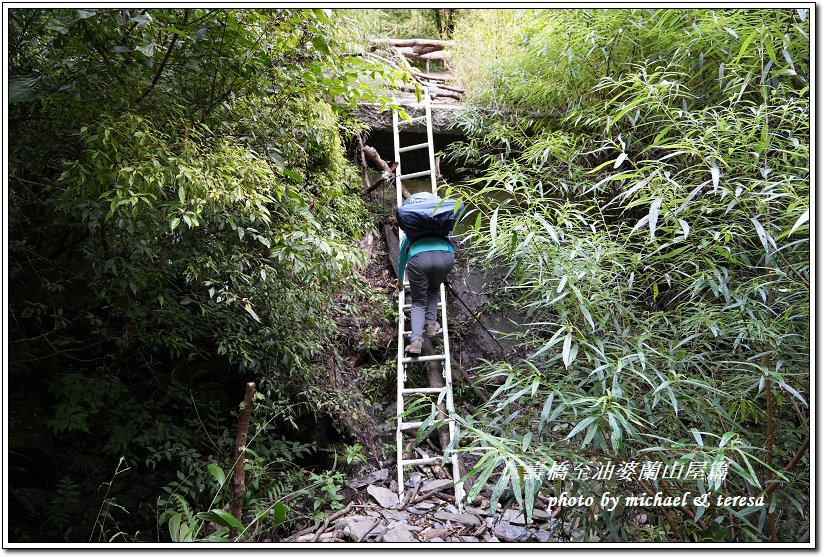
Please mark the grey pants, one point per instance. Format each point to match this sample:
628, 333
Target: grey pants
426, 272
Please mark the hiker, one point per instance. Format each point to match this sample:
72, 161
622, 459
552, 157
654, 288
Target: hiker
426, 259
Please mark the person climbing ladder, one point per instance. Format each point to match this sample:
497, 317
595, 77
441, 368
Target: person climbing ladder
425, 256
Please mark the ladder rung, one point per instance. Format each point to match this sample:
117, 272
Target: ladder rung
411, 425
433, 358
415, 119
421, 461
415, 174
409, 306
414, 147
422, 390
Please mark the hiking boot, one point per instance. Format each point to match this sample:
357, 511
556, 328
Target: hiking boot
432, 329
414, 347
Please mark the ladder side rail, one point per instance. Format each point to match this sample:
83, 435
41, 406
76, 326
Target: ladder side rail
401, 370
397, 141
450, 402
430, 140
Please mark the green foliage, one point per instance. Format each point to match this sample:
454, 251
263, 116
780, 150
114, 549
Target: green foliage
354, 453
403, 23
182, 215
645, 182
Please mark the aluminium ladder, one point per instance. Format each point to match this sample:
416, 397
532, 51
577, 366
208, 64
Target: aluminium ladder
403, 360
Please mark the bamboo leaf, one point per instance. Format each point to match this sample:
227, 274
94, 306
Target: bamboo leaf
546, 410
581, 425
762, 234
653, 216
801, 220
493, 225
566, 350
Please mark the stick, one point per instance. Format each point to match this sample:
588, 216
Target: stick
240, 449
478, 319
330, 518
789, 467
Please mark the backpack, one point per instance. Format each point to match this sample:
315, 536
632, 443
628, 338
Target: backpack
425, 215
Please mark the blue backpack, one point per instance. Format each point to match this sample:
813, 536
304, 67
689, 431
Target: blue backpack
425, 215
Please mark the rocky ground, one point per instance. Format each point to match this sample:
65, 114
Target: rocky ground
427, 513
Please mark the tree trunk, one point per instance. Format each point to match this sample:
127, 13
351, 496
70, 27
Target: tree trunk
240, 450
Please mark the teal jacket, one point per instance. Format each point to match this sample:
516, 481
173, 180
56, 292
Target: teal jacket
424, 244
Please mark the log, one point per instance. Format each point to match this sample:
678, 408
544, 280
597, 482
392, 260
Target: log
434, 373
240, 450
375, 159
371, 155
437, 81
409, 52
392, 245
434, 91
415, 42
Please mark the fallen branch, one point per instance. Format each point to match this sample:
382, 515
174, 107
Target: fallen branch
330, 518
410, 495
386, 177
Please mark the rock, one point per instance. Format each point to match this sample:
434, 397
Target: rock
373, 477
437, 540
443, 117
435, 485
356, 527
397, 516
418, 512
538, 514
414, 480
477, 511
543, 537
398, 533
468, 539
450, 508
385, 498
467, 519
510, 533
334, 536
425, 505
513, 517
